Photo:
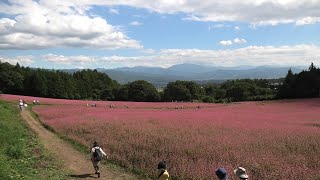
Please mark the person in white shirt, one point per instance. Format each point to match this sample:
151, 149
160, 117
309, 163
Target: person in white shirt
21, 105
96, 155
241, 173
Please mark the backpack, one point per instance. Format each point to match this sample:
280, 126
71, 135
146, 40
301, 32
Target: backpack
97, 155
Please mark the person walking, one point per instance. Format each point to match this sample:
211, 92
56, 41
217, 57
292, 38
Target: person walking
96, 156
21, 105
163, 174
241, 173
221, 174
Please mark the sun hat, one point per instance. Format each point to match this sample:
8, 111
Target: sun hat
241, 173
221, 173
162, 165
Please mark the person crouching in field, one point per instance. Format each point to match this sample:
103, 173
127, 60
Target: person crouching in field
96, 155
163, 174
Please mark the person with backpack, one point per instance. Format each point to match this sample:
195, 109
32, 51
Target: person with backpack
163, 174
96, 156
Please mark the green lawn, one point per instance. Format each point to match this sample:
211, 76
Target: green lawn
21, 154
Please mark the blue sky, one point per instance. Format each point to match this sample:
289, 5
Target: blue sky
110, 34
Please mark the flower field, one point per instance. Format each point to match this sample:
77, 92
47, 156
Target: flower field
272, 140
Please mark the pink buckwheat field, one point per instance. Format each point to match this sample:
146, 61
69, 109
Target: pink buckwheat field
271, 139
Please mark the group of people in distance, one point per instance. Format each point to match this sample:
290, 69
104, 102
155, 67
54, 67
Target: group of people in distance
36, 102
97, 153
240, 173
92, 105
22, 104
111, 105
221, 173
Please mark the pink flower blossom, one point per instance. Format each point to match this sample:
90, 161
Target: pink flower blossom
272, 140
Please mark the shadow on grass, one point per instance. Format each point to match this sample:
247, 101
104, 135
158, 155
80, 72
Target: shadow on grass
82, 176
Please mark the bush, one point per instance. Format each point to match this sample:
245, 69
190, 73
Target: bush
208, 99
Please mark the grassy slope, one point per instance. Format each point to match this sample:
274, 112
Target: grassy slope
21, 154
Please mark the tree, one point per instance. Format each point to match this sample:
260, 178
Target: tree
177, 91
247, 90
210, 89
195, 89
238, 92
142, 91
220, 93
11, 81
122, 93
304, 84
108, 93
312, 67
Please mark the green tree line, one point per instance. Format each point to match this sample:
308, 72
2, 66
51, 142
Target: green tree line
84, 84
91, 84
305, 84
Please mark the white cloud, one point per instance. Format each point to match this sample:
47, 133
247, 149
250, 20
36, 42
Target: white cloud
256, 12
135, 23
308, 20
299, 55
260, 12
251, 55
239, 41
32, 24
113, 11
231, 42
22, 60
237, 28
45, 24
69, 60
226, 43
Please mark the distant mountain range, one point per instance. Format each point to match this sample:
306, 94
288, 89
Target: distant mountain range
201, 73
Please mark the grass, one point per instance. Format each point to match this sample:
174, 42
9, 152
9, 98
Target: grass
21, 154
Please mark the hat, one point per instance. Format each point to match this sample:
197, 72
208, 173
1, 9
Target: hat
241, 173
162, 165
221, 173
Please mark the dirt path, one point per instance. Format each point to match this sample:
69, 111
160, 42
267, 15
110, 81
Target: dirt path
73, 161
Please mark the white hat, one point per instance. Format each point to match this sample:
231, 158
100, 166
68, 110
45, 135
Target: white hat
241, 173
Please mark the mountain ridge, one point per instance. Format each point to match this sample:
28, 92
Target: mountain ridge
160, 76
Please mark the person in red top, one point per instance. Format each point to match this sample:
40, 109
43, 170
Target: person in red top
96, 155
